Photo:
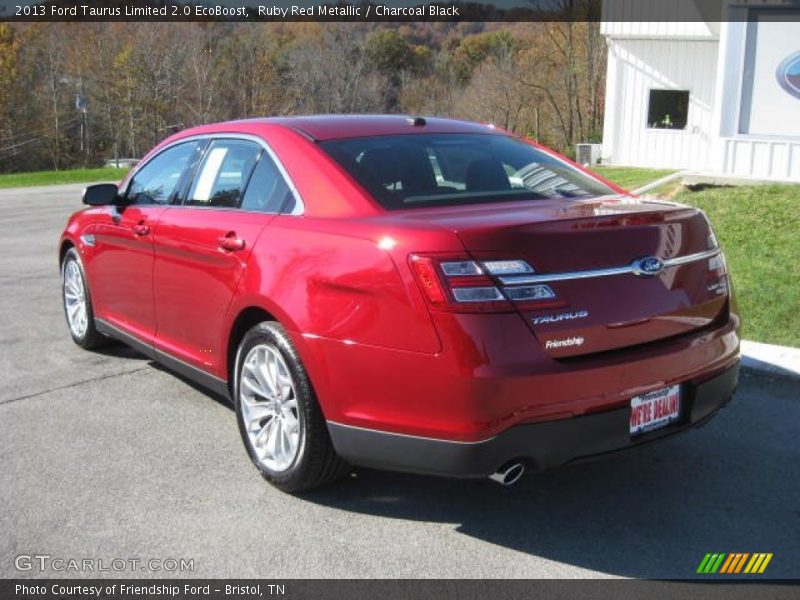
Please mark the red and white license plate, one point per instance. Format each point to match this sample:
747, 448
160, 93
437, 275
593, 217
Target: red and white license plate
655, 409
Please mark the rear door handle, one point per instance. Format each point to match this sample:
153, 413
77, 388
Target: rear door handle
231, 243
141, 229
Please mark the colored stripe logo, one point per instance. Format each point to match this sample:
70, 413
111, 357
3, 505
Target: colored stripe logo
733, 563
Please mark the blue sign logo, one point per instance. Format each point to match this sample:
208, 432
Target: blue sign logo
648, 267
788, 74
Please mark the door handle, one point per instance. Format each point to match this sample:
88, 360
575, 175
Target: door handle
231, 243
141, 229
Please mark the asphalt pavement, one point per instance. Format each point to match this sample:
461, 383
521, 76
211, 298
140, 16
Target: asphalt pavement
108, 456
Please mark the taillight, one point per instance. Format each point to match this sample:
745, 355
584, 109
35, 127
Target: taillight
465, 285
717, 266
717, 273
425, 271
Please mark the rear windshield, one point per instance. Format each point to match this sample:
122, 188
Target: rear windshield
410, 171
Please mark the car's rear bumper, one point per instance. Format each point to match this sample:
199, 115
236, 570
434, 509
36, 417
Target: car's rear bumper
541, 445
492, 374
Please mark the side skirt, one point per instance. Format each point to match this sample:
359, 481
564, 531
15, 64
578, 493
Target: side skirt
198, 376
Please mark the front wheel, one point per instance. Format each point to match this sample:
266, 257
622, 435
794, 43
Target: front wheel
78, 303
279, 418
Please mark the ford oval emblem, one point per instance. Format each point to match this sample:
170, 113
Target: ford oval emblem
648, 266
788, 74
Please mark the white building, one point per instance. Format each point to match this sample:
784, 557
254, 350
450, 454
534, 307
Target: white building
716, 97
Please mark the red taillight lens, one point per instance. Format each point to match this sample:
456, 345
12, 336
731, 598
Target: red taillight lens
425, 271
466, 285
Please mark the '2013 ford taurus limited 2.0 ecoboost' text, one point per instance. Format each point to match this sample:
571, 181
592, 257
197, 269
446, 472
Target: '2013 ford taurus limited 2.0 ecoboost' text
421, 295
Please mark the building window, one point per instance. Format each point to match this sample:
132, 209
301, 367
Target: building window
668, 109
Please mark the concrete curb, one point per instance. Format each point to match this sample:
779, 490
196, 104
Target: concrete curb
771, 359
659, 182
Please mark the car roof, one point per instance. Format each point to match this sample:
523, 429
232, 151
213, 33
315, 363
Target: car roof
331, 127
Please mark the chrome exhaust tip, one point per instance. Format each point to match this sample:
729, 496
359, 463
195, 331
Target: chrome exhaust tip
508, 474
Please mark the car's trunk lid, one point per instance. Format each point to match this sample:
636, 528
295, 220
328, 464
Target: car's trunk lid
584, 251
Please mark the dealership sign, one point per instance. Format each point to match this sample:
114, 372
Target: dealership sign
788, 74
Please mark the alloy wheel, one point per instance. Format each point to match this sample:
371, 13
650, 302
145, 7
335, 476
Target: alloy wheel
269, 408
75, 299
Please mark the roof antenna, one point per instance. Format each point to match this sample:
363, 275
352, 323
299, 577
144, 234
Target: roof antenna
417, 121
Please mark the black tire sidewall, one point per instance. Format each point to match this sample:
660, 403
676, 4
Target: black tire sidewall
273, 334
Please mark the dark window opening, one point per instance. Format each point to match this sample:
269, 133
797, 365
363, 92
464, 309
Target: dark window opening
668, 109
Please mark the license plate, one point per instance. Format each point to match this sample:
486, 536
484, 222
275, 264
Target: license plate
655, 409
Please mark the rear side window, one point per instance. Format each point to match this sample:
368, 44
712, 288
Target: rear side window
223, 173
267, 190
410, 171
156, 181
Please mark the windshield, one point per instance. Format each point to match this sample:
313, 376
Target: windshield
408, 171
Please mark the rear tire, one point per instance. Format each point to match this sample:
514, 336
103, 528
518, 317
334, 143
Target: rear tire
78, 303
280, 420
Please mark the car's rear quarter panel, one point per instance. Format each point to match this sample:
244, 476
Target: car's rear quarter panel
334, 283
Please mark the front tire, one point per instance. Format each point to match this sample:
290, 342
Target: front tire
279, 418
78, 303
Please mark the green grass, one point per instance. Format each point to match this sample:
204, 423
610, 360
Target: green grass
631, 178
32, 178
759, 229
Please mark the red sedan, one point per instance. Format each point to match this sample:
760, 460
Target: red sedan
420, 295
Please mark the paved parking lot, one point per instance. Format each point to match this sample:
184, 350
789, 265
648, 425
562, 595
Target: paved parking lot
108, 456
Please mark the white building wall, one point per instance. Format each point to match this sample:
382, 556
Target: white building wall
652, 18
659, 29
635, 67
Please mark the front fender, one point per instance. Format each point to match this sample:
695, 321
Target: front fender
79, 232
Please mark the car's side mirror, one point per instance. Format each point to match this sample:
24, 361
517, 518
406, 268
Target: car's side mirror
101, 194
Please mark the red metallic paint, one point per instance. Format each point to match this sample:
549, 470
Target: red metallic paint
195, 278
379, 355
125, 245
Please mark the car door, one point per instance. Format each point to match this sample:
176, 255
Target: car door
122, 269
202, 248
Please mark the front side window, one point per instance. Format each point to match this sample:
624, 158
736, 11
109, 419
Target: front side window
156, 181
223, 173
410, 171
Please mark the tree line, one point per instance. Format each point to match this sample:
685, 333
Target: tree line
77, 94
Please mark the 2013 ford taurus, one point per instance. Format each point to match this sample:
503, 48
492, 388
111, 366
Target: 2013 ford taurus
421, 295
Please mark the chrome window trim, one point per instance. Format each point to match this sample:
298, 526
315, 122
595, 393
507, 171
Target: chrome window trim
548, 277
300, 207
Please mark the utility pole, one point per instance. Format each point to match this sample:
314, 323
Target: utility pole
80, 106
